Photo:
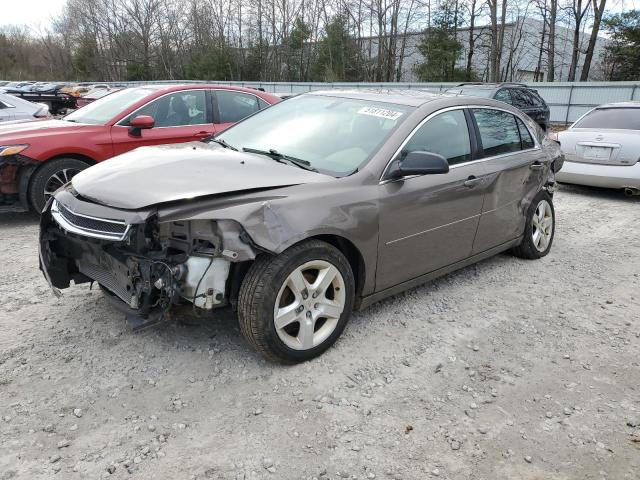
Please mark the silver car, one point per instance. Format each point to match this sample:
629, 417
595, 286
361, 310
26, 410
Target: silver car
14, 108
602, 148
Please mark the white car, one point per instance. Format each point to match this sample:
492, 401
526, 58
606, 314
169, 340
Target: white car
602, 148
14, 108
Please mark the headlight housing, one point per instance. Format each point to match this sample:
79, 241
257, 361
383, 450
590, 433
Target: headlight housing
6, 150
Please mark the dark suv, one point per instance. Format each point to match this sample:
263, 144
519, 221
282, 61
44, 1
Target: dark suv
519, 95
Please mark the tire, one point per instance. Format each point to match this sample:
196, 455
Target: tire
538, 237
272, 279
52, 174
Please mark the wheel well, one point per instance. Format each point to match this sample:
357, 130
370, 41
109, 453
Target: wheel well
353, 255
347, 248
76, 156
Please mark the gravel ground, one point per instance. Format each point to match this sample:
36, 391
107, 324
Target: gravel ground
507, 369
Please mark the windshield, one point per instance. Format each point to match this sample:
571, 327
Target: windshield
103, 110
333, 135
474, 92
616, 118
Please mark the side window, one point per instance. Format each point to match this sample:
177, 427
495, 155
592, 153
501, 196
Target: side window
177, 109
525, 135
536, 98
446, 134
504, 96
521, 98
262, 103
234, 106
498, 131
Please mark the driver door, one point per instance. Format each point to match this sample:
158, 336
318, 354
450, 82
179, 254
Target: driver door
428, 222
182, 116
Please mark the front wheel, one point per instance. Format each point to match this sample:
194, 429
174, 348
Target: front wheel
540, 228
51, 176
294, 306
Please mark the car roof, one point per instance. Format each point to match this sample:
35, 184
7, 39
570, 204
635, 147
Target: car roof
629, 104
412, 98
166, 88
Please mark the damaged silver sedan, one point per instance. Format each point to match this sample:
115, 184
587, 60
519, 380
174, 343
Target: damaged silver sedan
306, 211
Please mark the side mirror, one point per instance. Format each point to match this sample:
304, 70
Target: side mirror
418, 163
139, 123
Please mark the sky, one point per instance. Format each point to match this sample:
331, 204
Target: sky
32, 13
37, 14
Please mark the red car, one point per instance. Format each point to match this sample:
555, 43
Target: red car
38, 157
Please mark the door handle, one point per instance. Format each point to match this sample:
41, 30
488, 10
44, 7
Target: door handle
536, 166
472, 181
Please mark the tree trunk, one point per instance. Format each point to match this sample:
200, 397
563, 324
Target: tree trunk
494, 65
598, 10
578, 14
551, 54
472, 39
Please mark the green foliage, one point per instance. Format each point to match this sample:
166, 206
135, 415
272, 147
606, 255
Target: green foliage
623, 54
211, 64
440, 48
85, 58
295, 43
339, 56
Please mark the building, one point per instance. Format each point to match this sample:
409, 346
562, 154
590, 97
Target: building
521, 61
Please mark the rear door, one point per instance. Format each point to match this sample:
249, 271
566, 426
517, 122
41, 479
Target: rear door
231, 106
181, 116
516, 167
428, 222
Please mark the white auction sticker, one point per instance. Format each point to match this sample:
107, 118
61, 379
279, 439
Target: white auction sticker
380, 112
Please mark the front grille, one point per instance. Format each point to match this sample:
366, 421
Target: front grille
90, 226
88, 223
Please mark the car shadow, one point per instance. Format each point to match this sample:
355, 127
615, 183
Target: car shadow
598, 192
15, 219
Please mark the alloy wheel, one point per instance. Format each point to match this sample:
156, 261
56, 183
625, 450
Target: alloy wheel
542, 226
57, 180
309, 305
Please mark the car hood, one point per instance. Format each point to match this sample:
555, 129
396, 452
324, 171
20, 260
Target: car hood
17, 131
153, 175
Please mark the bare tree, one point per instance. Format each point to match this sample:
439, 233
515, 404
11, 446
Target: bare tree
598, 10
578, 10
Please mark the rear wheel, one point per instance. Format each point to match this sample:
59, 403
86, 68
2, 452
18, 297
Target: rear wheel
294, 306
51, 176
539, 229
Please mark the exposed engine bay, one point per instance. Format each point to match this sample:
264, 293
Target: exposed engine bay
147, 267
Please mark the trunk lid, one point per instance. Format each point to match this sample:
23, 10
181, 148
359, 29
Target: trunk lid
601, 146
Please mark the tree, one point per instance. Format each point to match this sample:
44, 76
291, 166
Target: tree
578, 12
299, 36
598, 11
338, 54
623, 53
497, 15
441, 49
551, 52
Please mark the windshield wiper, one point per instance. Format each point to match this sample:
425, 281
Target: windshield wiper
279, 157
224, 143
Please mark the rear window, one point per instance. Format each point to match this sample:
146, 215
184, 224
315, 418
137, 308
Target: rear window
616, 118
